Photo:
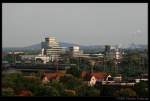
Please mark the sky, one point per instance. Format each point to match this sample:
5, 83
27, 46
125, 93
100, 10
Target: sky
25, 24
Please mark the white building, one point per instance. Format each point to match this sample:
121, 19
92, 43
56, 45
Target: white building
75, 51
51, 48
28, 57
43, 59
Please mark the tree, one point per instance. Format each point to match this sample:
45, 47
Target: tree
142, 88
58, 86
14, 80
46, 91
69, 93
125, 92
74, 71
7, 92
85, 90
108, 90
70, 82
8, 58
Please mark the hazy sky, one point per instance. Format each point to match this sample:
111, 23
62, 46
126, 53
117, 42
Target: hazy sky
25, 24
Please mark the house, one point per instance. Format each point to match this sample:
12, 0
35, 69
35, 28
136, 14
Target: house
93, 78
109, 80
96, 77
47, 77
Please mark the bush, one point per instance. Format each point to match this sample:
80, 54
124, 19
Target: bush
70, 82
75, 71
7, 92
142, 88
46, 91
85, 90
125, 92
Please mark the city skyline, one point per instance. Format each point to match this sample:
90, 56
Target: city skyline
81, 23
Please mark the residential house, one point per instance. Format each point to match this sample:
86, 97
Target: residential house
96, 77
47, 77
109, 79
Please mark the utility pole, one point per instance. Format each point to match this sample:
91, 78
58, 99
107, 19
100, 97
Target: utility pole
79, 64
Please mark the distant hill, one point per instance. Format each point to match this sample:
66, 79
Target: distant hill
65, 44
36, 47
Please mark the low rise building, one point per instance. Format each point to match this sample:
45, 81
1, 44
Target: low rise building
28, 57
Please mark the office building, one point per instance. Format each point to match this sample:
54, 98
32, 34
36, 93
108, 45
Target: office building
52, 48
75, 51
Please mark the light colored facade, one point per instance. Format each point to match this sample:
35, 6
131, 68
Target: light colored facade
45, 59
27, 57
113, 53
15, 52
75, 51
92, 81
52, 48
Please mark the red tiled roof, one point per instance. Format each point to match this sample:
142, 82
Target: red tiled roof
53, 75
83, 74
99, 75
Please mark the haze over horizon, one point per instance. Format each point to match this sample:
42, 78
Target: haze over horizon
25, 24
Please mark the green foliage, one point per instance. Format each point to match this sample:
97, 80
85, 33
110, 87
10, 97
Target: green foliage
75, 71
8, 58
69, 93
18, 82
70, 82
85, 90
108, 90
142, 88
58, 86
13, 80
45, 91
125, 92
7, 92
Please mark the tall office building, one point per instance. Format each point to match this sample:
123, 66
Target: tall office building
52, 48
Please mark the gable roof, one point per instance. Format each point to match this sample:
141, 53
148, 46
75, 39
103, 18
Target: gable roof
53, 75
83, 74
99, 75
